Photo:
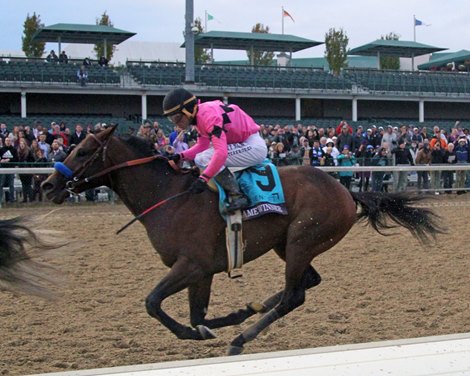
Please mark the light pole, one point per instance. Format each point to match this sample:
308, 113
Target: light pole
189, 41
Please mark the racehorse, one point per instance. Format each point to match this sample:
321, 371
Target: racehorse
189, 233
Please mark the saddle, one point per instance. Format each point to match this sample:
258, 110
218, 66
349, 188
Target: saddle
262, 185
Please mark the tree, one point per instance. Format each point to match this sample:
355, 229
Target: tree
336, 50
260, 57
99, 47
390, 62
31, 48
201, 55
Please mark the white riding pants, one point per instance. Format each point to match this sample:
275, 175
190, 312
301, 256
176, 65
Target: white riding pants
248, 153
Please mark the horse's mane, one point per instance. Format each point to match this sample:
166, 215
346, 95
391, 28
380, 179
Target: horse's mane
140, 145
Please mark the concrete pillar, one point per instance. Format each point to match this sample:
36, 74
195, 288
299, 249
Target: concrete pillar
354, 109
421, 111
298, 109
189, 41
144, 106
23, 105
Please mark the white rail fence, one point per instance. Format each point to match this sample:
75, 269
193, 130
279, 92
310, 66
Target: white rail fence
412, 170
447, 355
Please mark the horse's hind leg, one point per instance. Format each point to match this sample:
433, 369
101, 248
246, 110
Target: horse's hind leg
293, 296
310, 279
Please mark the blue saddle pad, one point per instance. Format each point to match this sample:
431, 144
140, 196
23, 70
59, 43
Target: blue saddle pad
262, 185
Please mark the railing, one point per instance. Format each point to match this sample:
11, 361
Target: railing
111, 197
332, 169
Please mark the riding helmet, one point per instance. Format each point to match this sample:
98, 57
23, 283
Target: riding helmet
179, 100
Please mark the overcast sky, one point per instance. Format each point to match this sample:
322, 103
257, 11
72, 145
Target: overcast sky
163, 21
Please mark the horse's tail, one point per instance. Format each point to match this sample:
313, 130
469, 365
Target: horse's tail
19, 246
399, 207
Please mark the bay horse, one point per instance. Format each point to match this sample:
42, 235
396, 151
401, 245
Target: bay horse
189, 234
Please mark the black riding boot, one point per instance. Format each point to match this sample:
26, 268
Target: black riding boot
237, 200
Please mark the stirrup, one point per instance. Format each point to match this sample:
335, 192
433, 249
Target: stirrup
237, 203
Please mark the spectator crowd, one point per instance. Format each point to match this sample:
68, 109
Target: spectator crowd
35, 146
40, 146
375, 146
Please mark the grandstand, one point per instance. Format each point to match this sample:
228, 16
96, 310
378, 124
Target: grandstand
38, 71
443, 83
31, 89
220, 76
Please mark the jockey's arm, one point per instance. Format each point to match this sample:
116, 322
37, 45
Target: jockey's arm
220, 155
203, 143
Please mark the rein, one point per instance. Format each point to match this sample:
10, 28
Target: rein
146, 211
76, 179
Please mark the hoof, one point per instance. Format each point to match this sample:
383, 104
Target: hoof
257, 307
205, 332
235, 350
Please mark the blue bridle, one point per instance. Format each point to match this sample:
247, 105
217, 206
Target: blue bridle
63, 170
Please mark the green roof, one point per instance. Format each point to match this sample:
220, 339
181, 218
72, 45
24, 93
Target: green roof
310, 62
228, 40
394, 47
78, 33
440, 61
438, 55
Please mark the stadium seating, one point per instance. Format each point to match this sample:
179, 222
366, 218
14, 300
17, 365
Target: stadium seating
43, 72
414, 82
215, 75
241, 76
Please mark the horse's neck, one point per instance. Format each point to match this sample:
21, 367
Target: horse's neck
140, 187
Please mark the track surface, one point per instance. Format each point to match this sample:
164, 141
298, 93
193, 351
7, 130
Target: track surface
374, 288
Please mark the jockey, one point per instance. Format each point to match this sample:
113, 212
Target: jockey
227, 137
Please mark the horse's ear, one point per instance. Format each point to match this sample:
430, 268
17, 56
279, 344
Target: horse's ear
108, 131
113, 128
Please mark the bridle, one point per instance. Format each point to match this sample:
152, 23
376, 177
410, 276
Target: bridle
76, 178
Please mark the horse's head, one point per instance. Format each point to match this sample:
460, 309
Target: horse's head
73, 175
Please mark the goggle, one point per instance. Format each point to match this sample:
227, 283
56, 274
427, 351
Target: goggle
176, 118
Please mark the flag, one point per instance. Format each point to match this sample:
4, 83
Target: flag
210, 17
420, 23
286, 14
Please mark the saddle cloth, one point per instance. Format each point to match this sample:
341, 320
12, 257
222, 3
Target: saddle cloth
262, 185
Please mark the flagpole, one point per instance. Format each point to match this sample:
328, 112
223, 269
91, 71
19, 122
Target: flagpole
414, 39
282, 17
205, 21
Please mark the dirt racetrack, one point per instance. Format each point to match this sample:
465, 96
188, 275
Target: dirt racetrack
374, 288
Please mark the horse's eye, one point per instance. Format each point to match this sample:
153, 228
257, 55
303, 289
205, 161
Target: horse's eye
81, 153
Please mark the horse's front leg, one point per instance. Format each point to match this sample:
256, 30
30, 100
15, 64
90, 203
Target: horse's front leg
199, 295
199, 302
182, 274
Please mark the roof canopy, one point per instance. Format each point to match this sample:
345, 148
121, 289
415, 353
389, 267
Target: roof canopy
228, 40
458, 57
393, 47
77, 33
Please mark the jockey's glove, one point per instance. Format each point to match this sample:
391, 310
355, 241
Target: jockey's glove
199, 185
175, 158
